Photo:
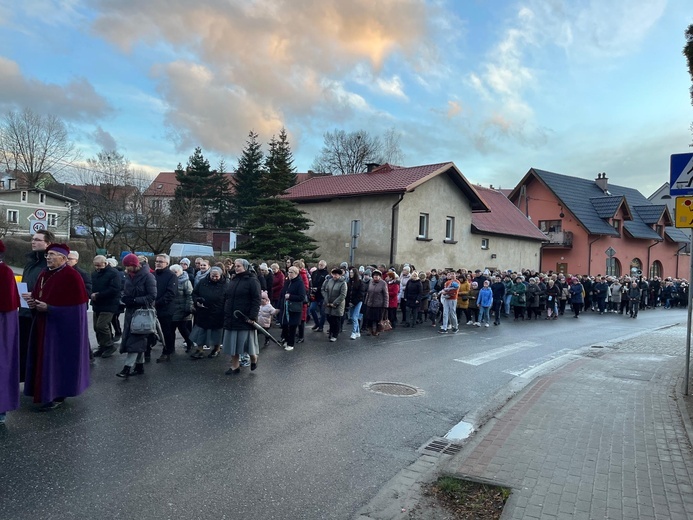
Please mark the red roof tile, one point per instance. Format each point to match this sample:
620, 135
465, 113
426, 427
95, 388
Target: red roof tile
504, 218
383, 179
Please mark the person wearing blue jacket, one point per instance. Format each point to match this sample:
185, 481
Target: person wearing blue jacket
485, 300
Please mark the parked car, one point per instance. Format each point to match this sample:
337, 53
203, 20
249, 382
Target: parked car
191, 250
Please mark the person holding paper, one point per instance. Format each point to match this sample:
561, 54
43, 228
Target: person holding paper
9, 339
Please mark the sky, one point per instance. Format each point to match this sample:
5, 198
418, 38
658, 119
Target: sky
577, 87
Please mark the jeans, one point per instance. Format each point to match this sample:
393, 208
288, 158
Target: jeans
317, 312
449, 307
355, 315
485, 315
497, 305
506, 303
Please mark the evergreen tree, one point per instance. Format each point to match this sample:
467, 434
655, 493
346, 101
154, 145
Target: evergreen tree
279, 170
196, 188
276, 227
246, 183
220, 193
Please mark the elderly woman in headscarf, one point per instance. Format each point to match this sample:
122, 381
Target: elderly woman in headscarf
208, 306
241, 308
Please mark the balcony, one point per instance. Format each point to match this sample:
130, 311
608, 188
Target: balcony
558, 240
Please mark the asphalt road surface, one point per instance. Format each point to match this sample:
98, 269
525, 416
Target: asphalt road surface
302, 437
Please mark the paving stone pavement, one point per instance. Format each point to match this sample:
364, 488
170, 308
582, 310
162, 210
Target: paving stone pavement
605, 436
600, 438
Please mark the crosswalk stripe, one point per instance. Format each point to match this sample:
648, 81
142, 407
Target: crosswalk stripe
496, 353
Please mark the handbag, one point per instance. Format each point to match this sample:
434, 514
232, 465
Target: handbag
295, 306
385, 325
143, 321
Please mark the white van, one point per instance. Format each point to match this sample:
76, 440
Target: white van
191, 251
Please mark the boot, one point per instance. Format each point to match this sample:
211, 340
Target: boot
125, 373
139, 369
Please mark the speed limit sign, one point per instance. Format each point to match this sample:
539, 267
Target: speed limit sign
40, 214
37, 225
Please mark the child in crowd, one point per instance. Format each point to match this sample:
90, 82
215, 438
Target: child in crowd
264, 317
433, 308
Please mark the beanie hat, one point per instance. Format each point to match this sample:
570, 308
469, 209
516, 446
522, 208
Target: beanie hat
344, 265
112, 262
131, 260
263, 267
62, 249
184, 261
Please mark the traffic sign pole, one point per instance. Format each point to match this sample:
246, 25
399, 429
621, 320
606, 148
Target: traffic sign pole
688, 326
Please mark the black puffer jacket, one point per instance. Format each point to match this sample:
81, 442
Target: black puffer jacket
106, 284
242, 294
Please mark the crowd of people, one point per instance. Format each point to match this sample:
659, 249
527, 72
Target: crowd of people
221, 307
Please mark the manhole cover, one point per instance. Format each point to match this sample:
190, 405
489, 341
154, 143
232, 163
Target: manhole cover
394, 389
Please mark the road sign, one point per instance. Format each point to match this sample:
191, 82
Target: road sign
37, 225
40, 214
683, 212
610, 252
681, 174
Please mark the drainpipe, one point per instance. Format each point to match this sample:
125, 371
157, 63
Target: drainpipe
392, 229
678, 255
648, 258
589, 256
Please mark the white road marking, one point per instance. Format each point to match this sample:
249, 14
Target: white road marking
519, 370
497, 353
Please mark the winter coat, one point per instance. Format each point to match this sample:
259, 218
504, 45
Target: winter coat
533, 292
519, 298
264, 317
334, 295
317, 280
277, 285
166, 290
139, 292
35, 263
634, 293
485, 297
241, 294
616, 292
303, 275
297, 293
182, 303
377, 295
355, 291
413, 293
472, 301
106, 286
463, 294
576, 293
393, 294
210, 294
600, 290
498, 290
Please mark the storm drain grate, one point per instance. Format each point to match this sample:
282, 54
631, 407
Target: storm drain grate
442, 447
394, 389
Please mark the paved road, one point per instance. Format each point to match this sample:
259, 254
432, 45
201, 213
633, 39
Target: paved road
299, 438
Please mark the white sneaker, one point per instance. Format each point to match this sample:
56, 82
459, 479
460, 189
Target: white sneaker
288, 348
353, 335
477, 324
358, 334
332, 340
485, 324
470, 322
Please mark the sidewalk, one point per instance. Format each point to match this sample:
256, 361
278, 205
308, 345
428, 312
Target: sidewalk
602, 437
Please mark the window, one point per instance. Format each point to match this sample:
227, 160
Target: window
450, 228
12, 216
617, 224
42, 198
24, 196
551, 226
423, 225
156, 204
484, 243
52, 219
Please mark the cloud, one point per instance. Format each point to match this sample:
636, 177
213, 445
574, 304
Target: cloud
454, 108
75, 101
266, 64
104, 139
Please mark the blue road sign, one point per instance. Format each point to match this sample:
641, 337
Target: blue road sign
681, 174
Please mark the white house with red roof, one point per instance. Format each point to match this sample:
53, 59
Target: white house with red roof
428, 215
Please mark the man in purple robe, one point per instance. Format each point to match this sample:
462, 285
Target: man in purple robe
58, 358
9, 339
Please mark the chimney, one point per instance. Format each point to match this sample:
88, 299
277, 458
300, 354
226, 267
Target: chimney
371, 166
602, 182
